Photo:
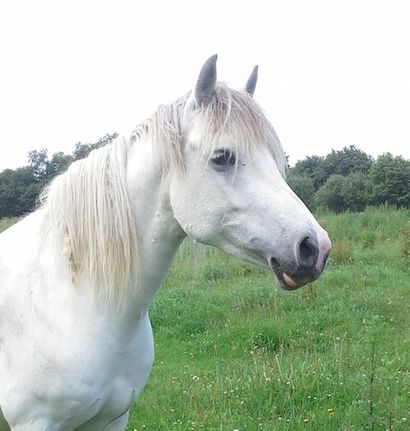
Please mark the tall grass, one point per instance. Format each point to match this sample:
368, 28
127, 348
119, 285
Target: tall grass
7, 222
233, 352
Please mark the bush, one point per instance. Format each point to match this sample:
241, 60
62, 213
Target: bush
331, 194
312, 167
341, 193
355, 190
303, 186
347, 161
390, 181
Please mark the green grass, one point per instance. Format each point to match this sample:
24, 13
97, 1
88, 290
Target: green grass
234, 353
7, 222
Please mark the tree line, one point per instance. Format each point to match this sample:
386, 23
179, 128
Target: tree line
20, 188
348, 179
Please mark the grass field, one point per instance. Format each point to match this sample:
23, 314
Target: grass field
6, 222
234, 353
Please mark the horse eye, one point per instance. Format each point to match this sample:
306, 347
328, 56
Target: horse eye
223, 158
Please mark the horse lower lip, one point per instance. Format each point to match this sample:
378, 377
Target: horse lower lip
289, 281
285, 280
275, 266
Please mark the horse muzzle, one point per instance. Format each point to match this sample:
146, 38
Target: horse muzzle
310, 261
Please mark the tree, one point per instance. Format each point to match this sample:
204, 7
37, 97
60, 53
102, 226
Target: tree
83, 150
303, 186
20, 188
331, 194
342, 162
340, 193
38, 161
58, 164
18, 191
355, 191
312, 167
390, 181
346, 161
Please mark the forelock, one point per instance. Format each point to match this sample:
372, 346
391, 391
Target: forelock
236, 115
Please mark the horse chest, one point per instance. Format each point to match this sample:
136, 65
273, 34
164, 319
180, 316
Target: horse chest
122, 374
95, 366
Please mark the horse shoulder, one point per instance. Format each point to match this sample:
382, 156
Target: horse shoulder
53, 335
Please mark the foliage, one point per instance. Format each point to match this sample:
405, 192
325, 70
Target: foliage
58, 164
390, 181
7, 222
347, 161
349, 179
83, 150
331, 194
18, 191
303, 186
340, 193
20, 188
312, 167
38, 161
355, 191
343, 162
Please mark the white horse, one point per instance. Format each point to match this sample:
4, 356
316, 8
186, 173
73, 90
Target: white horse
78, 275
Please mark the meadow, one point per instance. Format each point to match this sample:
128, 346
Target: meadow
235, 353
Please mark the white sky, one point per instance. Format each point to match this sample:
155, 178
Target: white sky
332, 73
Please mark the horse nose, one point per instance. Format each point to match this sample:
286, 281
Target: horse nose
308, 252
325, 247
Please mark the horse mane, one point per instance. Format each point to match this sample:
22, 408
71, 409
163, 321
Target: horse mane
88, 207
89, 211
230, 113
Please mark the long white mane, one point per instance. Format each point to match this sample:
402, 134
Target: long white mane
88, 209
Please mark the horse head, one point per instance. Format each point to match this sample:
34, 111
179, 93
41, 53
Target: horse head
231, 192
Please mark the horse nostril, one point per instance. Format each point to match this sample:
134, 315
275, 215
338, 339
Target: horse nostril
325, 258
308, 252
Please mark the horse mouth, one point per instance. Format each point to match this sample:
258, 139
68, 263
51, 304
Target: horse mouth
286, 282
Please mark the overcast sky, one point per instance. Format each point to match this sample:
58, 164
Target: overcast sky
332, 73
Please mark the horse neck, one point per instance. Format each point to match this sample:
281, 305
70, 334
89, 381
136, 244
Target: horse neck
159, 235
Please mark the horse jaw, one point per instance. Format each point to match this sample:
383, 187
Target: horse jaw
249, 212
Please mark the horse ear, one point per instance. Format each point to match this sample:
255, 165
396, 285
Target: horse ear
205, 87
251, 83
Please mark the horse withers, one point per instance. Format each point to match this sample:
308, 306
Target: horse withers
78, 275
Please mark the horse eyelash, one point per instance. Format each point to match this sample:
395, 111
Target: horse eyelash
228, 155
